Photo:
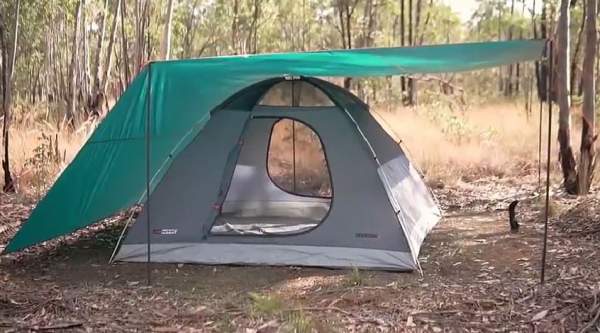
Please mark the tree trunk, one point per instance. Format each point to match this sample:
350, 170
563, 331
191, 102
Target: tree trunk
109, 52
509, 84
587, 159
124, 44
72, 101
566, 156
426, 23
97, 59
412, 84
234, 26
577, 51
166, 42
541, 68
402, 43
9, 185
345, 11
85, 89
251, 39
500, 77
190, 32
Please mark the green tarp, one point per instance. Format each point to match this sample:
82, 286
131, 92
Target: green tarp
108, 174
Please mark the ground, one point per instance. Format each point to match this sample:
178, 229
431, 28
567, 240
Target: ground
476, 276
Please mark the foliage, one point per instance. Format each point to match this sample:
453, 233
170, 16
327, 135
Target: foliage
298, 322
44, 161
219, 27
265, 305
355, 278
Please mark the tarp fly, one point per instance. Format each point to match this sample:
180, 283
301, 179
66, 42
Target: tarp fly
178, 97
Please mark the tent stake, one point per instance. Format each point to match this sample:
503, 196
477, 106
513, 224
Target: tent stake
148, 143
548, 152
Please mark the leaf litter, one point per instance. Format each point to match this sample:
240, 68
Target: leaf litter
477, 276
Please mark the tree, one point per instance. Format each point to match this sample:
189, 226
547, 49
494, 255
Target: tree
345, 11
566, 156
8, 74
402, 42
97, 68
587, 160
125, 54
166, 43
72, 101
577, 52
109, 52
412, 84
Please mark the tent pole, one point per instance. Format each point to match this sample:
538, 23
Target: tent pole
118, 244
548, 152
148, 143
294, 103
294, 154
540, 144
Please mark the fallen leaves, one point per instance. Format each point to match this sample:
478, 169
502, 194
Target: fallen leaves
477, 277
540, 315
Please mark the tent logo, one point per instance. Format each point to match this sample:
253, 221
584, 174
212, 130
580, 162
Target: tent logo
365, 235
164, 231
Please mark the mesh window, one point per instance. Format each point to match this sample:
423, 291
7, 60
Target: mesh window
296, 161
295, 93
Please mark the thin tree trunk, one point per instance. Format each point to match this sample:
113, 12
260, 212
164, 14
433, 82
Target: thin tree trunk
251, 39
345, 15
234, 26
84, 77
124, 44
587, 159
402, 43
541, 68
72, 101
500, 78
410, 81
577, 51
426, 23
166, 43
509, 86
190, 32
9, 185
97, 60
412, 89
109, 52
567, 158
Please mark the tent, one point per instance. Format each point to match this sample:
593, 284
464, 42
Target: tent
185, 128
227, 198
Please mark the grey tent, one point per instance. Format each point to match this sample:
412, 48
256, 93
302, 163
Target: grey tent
299, 173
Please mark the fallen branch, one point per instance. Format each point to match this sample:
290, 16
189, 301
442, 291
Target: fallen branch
329, 308
592, 322
57, 326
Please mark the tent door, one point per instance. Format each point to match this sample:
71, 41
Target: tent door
277, 182
232, 159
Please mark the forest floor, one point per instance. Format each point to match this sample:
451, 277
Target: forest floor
477, 276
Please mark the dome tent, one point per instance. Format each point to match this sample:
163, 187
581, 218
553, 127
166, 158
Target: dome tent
229, 210
170, 103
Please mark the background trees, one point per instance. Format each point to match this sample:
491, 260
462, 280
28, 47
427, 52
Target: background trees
73, 58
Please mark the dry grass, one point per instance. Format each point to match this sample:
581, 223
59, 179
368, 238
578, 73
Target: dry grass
446, 143
40, 147
450, 145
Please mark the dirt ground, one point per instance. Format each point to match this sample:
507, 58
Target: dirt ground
477, 276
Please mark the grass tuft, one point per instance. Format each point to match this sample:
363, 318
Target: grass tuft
298, 322
355, 278
265, 305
